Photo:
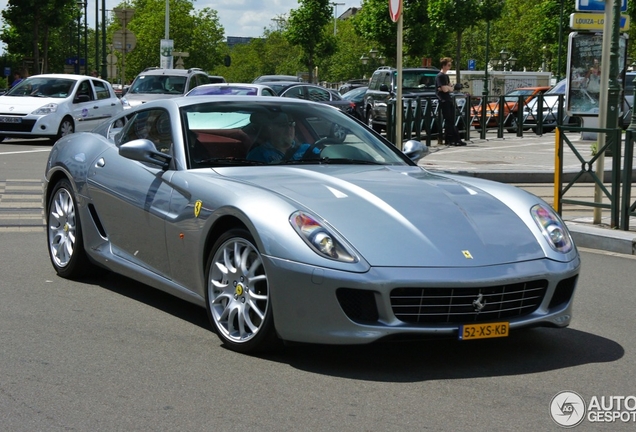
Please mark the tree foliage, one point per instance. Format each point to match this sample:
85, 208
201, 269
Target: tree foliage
32, 25
189, 30
307, 29
270, 55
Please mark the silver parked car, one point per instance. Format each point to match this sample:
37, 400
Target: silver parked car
319, 242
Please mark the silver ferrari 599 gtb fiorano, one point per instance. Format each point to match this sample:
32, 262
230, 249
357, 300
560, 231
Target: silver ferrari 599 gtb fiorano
291, 221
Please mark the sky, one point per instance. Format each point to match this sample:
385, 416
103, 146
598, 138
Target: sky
246, 18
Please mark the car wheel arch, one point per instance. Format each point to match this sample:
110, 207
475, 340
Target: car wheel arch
224, 224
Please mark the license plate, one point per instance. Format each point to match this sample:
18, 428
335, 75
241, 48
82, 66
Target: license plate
483, 331
10, 120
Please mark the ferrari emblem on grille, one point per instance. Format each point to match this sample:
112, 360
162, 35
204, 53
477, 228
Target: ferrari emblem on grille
478, 304
197, 208
467, 254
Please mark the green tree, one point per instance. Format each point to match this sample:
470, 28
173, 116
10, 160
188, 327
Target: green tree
307, 29
420, 38
457, 16
272, 54
197, 33
30, 26
344, 64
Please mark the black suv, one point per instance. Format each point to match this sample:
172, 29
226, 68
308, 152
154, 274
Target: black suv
156, 83
383, 87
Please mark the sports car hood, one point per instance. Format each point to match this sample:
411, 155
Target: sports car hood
405, 216
25, 104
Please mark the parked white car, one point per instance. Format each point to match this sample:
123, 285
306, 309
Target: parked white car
54, 105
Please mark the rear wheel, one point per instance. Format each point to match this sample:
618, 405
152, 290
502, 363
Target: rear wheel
64, 233
238, 295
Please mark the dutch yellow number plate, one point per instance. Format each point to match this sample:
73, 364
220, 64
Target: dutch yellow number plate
483, 331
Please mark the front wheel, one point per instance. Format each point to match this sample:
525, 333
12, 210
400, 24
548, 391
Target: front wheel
66, 128
238, 294
64, 234
371, 123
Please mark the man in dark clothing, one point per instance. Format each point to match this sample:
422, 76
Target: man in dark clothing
444, 89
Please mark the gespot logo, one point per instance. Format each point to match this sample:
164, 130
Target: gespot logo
567, 409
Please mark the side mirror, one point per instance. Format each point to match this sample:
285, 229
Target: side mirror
414, 150
81, 98
144, 150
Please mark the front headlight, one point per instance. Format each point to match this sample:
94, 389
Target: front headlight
552, 228
320, 238
125, 102
46, 109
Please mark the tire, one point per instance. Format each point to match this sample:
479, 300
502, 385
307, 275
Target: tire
64, 234
370, 122
237, 294
67, 127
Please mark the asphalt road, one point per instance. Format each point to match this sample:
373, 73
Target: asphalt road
110, 354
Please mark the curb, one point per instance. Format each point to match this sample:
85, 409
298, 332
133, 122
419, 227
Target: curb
622, 242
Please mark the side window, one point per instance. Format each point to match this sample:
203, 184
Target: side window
386, 79
318, 95
153, 125
85, 89
375, 81
101, 90
203, 79
295, 92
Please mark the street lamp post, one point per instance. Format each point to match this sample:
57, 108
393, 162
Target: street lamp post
104, 70
79, 33
85, 3
484, 94
371, 59
81, 5
335, 16
505, 60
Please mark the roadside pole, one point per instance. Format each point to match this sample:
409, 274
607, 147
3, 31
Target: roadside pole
395, 12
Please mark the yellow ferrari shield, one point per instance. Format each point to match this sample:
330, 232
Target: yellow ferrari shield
197, 208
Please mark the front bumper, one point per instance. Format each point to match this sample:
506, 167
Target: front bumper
320, 305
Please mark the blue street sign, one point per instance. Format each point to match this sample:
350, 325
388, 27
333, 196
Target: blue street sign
7, 71
596, 5
472, 64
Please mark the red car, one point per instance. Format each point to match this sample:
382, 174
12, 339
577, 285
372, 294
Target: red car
510, 107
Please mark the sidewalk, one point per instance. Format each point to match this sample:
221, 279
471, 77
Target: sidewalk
529, 162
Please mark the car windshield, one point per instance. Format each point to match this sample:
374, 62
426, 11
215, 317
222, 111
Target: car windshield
422, 80
274, 133
59, 88
158, 84
513, 96
559, 88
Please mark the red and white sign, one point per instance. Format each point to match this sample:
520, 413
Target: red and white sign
395, 9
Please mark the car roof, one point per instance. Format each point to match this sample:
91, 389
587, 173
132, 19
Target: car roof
160, 71
263, 78
231, 85
73, 77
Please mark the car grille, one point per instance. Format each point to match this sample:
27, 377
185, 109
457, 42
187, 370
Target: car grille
461, 305
24, 126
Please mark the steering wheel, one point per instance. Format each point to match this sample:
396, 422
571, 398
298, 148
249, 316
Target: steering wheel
318, 144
